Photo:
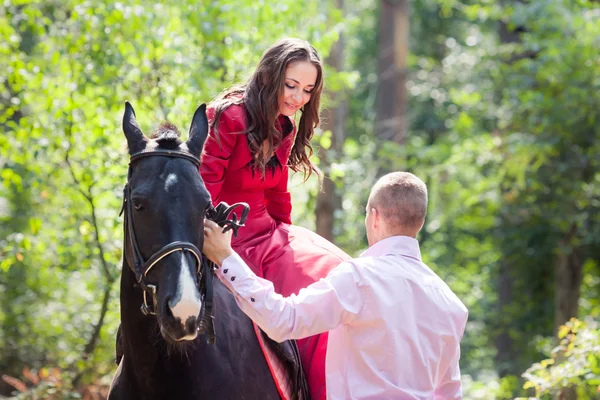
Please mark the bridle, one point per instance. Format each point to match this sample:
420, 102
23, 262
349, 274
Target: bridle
205, 268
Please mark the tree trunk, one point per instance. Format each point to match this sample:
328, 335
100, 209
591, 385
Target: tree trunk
328, 200
504, 347
569, 274
392, 102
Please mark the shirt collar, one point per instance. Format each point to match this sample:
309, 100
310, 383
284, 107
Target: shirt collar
401, 245
285, 125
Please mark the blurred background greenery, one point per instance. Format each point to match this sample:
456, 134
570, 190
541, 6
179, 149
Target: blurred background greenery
494, 103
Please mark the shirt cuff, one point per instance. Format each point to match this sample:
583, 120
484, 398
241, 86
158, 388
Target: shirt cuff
236, 275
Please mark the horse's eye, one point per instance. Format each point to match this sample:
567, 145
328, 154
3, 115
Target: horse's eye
138, 206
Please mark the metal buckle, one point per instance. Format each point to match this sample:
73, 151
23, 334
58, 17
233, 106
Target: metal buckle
147, 310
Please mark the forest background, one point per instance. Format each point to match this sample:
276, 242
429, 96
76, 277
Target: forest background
495, 104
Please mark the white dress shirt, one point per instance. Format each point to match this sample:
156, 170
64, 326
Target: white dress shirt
395, 326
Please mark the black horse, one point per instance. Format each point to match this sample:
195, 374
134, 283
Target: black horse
166, 353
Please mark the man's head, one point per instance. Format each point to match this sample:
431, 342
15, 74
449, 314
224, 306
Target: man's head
397, 207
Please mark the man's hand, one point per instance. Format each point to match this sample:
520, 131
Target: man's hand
217, 245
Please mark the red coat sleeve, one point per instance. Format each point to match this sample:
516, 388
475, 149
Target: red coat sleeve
217, 152
279, 201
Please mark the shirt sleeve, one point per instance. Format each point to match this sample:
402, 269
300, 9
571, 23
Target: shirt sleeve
278, 199
450, 387
320, 307
217, 152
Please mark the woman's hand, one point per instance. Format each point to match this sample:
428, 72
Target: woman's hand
217, 245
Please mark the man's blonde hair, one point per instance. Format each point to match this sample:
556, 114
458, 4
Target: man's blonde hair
401, 199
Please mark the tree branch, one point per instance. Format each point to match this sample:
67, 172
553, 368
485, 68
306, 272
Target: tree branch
91, 344
108, 277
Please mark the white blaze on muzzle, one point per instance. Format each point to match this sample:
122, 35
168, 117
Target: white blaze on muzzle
186, 301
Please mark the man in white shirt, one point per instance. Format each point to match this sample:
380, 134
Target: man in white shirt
395, 326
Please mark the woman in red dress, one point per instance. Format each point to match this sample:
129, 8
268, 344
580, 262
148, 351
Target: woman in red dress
252, 144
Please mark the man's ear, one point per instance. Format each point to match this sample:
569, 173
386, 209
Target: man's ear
376, 217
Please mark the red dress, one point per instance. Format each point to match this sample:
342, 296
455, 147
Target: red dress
289, 256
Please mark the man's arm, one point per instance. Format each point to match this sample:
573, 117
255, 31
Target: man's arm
320, 307
450, 387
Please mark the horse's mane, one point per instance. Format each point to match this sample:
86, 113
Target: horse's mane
167, 136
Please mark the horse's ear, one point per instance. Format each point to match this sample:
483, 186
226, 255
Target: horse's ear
198, 131
136, 141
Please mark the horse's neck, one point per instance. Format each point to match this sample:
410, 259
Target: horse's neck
146, 358
149, 373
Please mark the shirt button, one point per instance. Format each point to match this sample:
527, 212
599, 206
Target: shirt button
225, 271
232, 278
252, 299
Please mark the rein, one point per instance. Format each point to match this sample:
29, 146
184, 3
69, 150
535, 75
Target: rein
205, 267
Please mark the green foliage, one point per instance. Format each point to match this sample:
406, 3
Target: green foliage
575, 362
505, 134
489, 387
69, 66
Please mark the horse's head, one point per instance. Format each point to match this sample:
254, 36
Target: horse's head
165, 205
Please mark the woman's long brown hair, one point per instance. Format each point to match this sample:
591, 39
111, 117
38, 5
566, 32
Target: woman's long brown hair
260, 95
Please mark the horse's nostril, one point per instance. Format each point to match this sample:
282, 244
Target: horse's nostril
191, 325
